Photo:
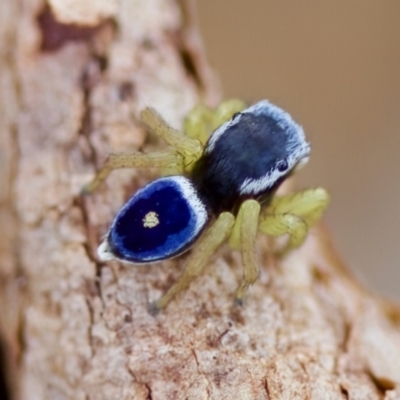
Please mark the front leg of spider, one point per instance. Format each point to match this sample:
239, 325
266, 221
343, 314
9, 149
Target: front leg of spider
183, 151
294, 215
160, 160
205, 248
244, 237
238, 169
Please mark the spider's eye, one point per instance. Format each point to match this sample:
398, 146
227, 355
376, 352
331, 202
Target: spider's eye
160, 221
282, 166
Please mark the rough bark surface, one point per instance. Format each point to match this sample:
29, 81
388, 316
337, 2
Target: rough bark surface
73, 80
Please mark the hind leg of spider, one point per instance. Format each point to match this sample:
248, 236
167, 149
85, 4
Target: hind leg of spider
131, 160
281, 224
294, 214
201, 121
215, 235
243, 236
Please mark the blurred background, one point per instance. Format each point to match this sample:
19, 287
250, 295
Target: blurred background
335, 66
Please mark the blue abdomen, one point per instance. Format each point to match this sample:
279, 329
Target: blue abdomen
161, 220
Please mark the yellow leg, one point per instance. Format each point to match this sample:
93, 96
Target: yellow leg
198, 122
202, 251
294, 214
234, 238
280, 224
225, 111
190, 149
202, 121
131, 160
247, 222
308, 204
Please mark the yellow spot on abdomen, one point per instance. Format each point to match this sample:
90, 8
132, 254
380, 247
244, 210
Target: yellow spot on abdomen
150, 220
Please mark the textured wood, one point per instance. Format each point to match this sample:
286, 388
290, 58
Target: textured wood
75, 328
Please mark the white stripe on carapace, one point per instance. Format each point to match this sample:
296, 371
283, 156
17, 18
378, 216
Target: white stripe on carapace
253, 186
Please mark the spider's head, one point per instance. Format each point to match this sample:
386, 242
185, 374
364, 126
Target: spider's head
278, 148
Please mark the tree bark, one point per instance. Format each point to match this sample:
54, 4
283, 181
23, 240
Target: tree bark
74, 76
